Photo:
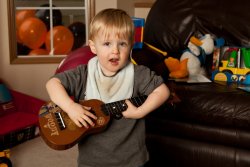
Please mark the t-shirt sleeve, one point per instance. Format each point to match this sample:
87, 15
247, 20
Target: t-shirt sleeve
74, 81
146, 80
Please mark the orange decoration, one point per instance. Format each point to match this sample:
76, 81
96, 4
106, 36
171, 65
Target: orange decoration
63, 40
21, 15
32, 32
38, 52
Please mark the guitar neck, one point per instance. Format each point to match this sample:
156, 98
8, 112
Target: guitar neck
115, 109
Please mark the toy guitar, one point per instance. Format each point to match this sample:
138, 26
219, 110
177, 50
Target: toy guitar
60, 133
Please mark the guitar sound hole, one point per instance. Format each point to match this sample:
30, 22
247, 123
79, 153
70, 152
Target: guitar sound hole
105, 110
92, 111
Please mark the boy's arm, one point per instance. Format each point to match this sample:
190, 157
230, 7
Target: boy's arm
58, 94
77, 113
154, 100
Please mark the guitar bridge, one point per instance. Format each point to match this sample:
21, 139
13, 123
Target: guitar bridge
60, 121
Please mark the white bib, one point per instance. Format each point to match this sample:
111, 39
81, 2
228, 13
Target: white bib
109, 89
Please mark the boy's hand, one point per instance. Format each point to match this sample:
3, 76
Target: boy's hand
132, 111
81, 115
154, 100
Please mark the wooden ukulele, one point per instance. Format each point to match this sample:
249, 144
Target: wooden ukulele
60, 133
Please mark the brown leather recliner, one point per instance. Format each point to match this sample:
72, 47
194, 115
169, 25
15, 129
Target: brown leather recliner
210, 127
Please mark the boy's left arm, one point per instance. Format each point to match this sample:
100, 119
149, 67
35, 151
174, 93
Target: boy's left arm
153, 101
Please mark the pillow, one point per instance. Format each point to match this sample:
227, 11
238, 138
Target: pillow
6, 103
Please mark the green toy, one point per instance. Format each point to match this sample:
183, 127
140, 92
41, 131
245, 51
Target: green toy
232, 59
246, 56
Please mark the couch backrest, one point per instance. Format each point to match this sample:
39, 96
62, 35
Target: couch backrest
171, 23
79, 56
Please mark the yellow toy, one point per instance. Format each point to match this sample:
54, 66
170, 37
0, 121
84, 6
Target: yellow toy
177, 69
156, 49
4, 158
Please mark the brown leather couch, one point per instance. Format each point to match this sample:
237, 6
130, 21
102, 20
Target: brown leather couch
210, 127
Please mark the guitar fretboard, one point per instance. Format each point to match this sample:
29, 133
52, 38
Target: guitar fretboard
115, 109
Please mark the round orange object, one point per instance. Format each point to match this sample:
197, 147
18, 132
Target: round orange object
32, 32
38, 52
21, 15
62, 40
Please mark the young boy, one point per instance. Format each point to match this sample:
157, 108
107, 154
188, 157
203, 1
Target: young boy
110, 77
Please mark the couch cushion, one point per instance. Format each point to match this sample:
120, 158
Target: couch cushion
16, 121
207, 112
214, 104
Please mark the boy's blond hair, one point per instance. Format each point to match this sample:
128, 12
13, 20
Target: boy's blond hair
111, 21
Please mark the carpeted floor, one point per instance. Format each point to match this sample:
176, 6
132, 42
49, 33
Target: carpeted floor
35, 153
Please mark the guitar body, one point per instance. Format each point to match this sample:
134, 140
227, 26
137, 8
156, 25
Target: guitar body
60, 133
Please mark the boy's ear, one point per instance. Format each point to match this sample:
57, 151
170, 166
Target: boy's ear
92, 46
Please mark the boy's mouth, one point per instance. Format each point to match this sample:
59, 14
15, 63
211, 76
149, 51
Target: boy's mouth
114, 60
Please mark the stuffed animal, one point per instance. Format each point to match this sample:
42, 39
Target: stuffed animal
196, 53
177, 68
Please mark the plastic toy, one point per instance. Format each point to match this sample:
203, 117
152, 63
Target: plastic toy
219, 43
4, 158
235, 66
246, 56
156, 49
139, 29
196, 53
177, 68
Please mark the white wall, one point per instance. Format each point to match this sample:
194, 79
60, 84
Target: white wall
103, 4
31, 78
141, 12
127, 5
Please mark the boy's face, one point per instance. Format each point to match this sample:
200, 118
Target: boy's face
112, 52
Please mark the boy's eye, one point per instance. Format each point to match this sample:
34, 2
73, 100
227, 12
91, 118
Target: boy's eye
106, 43
124, 44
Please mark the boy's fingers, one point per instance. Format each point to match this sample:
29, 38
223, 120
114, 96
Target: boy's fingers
86, 108
85, 121
89, 113
78, 123
86, 117
128, 102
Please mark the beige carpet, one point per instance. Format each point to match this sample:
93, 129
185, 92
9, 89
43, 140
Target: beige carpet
35, 153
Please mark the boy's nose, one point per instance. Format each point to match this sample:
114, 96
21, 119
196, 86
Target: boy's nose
115, 49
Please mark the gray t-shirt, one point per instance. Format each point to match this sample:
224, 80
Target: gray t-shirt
122, 144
